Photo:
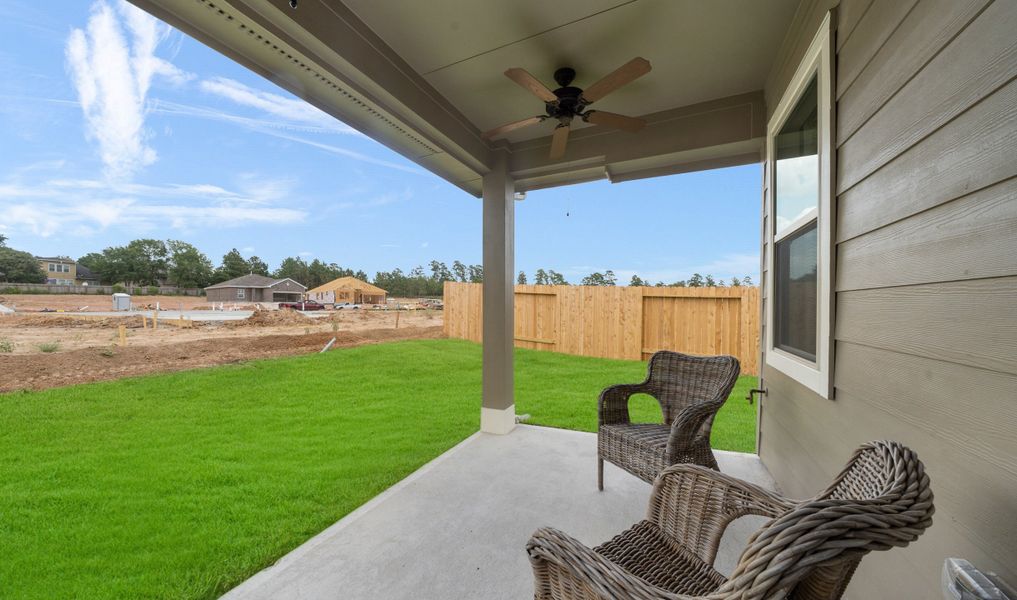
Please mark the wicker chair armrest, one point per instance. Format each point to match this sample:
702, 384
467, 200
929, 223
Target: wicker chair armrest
687, 425
695, 504
613, 406
562, 562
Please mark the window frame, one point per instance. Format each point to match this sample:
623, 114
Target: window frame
817, 61
241, 294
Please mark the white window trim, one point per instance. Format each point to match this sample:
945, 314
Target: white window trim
241, 294
818, 59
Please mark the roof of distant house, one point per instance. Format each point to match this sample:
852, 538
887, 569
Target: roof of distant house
85, 273
349, 283
252, 281
55, 258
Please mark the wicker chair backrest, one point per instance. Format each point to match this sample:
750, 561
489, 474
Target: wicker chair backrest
880, 500
679, 380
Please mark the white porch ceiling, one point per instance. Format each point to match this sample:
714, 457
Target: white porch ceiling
700, 50
425, 77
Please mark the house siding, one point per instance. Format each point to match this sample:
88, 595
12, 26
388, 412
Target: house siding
230, 295
926, 230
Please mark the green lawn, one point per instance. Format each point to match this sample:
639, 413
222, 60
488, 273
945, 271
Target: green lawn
183, 485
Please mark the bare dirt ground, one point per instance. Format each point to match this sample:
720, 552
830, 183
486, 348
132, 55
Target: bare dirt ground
98, 302
87, 348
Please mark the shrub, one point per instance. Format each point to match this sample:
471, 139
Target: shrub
108, 352
119, 289
11, 290
153, 290
49, 347
6, 346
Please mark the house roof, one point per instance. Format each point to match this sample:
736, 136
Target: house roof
251, 281
62, 259
84, 272
349, 283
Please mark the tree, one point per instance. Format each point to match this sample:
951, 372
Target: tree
476, 274
233, 265
19, 267
746, 280
606, 278
556, 278
709, 281
735, 282
93, 261
541, 277
3, 241
257, 266
696, 280
317, 274
147, 261
293, 267
521, 280
459, 270
637, 282
440, 273
188, 267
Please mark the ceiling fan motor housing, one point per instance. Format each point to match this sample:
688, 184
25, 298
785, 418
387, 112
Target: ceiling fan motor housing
570, 103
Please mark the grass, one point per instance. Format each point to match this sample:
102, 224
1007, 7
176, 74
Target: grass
183, 485
49, 347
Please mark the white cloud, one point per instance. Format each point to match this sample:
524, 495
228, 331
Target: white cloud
248, 249
112, 63
306, 253
291, 110
425, 244
86, 206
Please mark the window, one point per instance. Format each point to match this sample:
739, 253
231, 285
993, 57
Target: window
799, 198
52, 268
240, 293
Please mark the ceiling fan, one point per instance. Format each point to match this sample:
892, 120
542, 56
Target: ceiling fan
568, 102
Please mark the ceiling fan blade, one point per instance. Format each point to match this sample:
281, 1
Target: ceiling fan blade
511, 127
559, 140
625, 74
615, 120
531, 83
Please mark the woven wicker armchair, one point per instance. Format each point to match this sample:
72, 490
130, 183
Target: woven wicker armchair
690, 390
807, 551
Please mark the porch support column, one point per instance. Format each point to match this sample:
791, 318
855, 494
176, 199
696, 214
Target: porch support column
498, 410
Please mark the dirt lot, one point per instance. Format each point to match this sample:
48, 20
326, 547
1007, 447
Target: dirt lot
98, 302
87, 349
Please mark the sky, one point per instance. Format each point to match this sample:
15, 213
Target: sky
114, 126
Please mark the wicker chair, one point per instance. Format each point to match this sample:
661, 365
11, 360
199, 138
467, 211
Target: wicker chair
807, 551
690, 390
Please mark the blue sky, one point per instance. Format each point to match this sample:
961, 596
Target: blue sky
113, 126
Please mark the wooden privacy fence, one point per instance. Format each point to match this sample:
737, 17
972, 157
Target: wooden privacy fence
619, 322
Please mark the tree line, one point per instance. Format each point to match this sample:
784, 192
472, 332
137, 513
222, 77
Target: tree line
608, 277
155, 262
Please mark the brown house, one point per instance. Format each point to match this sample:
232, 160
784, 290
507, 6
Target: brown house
255, 288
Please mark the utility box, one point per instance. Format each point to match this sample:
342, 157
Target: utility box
121, 301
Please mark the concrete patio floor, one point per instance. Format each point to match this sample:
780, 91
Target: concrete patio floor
456, 528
